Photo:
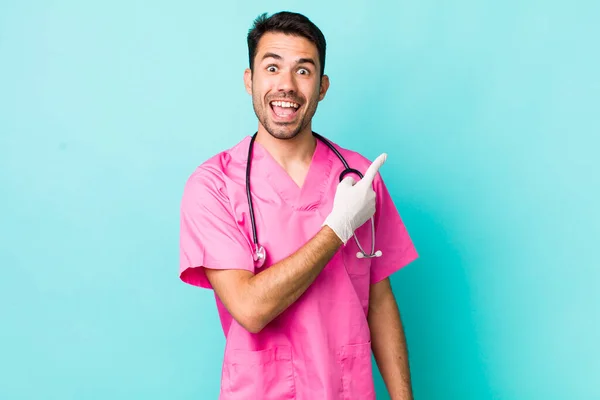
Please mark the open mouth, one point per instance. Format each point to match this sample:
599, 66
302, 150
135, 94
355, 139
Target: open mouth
284, 110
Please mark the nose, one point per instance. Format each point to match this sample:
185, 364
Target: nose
286, 82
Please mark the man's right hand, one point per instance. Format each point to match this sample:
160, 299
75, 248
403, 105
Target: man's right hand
354, 202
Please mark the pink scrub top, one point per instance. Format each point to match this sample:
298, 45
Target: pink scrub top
320, 347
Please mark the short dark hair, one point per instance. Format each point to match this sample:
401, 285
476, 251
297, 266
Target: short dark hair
289, 23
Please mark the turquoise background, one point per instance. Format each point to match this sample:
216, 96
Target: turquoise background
488, 111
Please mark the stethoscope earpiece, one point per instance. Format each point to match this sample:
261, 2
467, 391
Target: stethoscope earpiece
360, 254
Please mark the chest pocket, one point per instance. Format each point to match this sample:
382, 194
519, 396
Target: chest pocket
359, 269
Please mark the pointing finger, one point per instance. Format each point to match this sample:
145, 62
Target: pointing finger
374, 168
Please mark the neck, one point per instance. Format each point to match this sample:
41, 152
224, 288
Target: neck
298, 150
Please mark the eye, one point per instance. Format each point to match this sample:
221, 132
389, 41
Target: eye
271, 68
303, 71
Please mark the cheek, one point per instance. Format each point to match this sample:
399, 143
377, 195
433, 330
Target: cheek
261, 84
314, 90
258, 94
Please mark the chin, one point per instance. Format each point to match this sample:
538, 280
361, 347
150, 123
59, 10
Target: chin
284, 133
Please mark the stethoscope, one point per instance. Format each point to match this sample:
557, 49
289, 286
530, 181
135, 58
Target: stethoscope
260, 254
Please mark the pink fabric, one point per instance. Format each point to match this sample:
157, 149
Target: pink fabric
320, 347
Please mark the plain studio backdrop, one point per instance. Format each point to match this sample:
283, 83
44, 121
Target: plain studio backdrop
489, 112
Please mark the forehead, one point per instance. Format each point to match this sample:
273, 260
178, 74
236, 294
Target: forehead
289, 47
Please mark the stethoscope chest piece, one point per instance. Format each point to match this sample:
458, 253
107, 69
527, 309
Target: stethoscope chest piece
259, 256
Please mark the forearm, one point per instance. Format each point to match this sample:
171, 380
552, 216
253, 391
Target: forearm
389, 346
273, 290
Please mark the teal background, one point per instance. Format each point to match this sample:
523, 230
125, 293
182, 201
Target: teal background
489, 114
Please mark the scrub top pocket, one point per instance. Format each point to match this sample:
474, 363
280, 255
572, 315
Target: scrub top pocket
262, 374
356, 372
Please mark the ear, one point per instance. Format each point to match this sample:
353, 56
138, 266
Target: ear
324, 87
248, 80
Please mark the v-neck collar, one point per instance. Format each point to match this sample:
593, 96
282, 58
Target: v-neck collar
307, 197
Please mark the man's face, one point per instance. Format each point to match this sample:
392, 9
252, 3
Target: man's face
285, 85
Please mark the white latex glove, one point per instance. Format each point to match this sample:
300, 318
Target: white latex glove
354, 202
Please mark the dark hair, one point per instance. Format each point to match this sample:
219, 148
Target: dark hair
289, 23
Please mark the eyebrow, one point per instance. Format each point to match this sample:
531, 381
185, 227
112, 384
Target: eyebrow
299, 61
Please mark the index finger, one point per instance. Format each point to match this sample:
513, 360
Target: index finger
374, 168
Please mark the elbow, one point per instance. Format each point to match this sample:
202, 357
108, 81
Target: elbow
252, 326
251, 319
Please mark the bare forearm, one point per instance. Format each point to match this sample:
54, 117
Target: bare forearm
277, 287
389, 346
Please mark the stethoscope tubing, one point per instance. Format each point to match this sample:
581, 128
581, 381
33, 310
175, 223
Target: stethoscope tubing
259, 252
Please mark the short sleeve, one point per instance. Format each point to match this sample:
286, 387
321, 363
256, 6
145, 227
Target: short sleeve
209, 235
391, 236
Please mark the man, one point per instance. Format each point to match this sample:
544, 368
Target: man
301, 324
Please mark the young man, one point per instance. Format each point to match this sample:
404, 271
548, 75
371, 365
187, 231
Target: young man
301, 319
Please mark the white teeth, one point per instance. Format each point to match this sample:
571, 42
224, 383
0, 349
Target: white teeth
285, 104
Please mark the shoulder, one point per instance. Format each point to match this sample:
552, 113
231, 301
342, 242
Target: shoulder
354, 158
209, 177
358, 161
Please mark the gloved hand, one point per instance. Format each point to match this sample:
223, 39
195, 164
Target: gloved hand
354, 202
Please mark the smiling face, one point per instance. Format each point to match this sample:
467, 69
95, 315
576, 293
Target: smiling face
286, 85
